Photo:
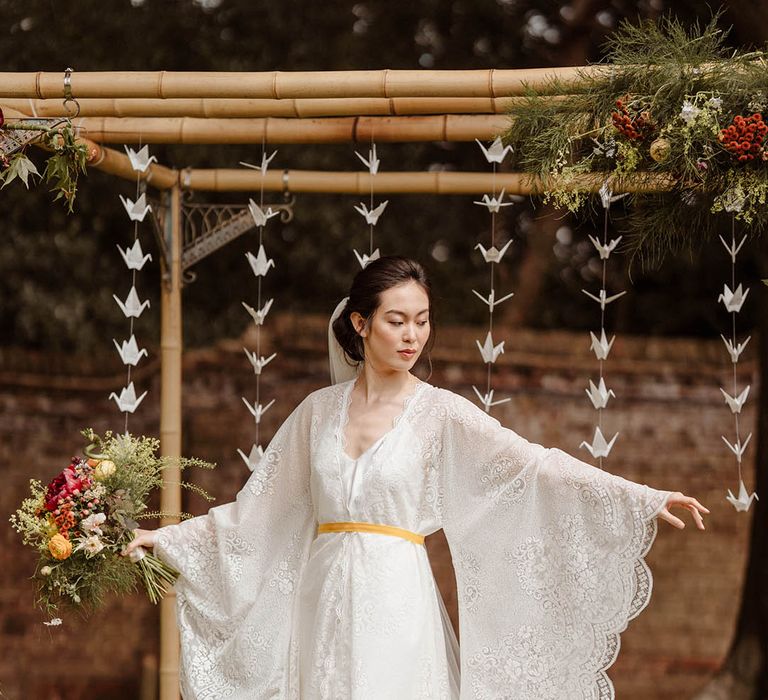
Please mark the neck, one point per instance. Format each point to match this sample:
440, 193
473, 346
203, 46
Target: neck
375, 384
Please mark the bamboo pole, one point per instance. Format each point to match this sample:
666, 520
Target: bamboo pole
286, 85
170, 430
191, 130
239, 108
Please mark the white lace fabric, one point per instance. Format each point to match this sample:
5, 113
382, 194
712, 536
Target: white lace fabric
548, 553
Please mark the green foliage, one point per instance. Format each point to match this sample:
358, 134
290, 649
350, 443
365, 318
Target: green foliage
66, 164
19, 167
663, 105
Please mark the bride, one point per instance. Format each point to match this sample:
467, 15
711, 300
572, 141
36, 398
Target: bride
315, 582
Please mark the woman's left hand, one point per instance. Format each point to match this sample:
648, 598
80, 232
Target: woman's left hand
687, 502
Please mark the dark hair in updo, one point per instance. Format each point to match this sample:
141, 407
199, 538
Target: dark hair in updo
365, 297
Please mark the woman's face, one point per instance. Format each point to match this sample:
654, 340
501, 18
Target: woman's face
401, 323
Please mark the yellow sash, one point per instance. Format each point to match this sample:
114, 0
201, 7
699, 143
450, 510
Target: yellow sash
371, 527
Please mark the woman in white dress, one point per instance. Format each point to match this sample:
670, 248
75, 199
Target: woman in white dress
315, 583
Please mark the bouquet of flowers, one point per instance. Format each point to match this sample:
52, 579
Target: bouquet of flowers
80, 522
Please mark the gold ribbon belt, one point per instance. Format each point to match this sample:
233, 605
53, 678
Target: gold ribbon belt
371, 527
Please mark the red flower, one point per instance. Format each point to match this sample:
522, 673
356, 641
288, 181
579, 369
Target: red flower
63, 485
2, 118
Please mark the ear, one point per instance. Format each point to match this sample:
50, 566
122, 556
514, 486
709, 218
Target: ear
358, 323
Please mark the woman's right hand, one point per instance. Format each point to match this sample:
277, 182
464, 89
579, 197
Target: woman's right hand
142, 538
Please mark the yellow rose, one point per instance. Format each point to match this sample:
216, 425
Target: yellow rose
59, 547
104, 469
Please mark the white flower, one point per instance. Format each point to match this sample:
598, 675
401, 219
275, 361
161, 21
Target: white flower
92, 545
46, 571
689, 112
92, 522
54, 622
715, 102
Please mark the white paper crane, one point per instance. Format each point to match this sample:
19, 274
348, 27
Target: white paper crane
738, 448
365, 259
488, 350
257, 410
254, 457
734, 352
136, 210
599, 447
599, 395
744, 501
496, 152
372, 163
132, 306
607, 197
265, 161
134, 256
601, 347
604, 300
605, 249
493, 254
260, 264
258, 316
259, 363
733, 300
260, 216
127, 401
493, 204
371, 216
140, 159
735, 402
129, 351
491, 298
733, 249
487, 399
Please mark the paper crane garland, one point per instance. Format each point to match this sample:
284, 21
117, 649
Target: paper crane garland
599, 395
603, 299
735, 351
493, 204
488, 350
491, 300
260, 216
605, 249
129, 351
371, 216
487, 399
134, 256
254, 457
372, 162
733, 300
365, 259
258, 316
599, 447
265, 161
257, 362
738, 447
744, 501
735, 403
257, 410
140, 160
131, 306
496, 152
601, 347
493, 254
260, 264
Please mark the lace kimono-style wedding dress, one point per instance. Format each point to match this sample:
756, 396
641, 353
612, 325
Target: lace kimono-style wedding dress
277, 600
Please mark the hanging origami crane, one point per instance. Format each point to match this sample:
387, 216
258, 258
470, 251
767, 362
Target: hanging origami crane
599, 447
132, 306
601, 347
599, 395
493, 204
607, 197
265, 161
605, 249
252, 460
127, 401
259, 215
603, 300
134, 256
140, 160
733, 300
491, 298
738, 447
487, 399
258, 316
735, 403
129, 351
365, 259
488, 350
493, 254
136, 210
372, 163
734, 352
257, 362
371, 216
260, 264
496, 152
257, 410
744, 501
733, 249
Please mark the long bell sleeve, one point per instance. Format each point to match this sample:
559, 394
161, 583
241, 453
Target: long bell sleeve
240, 564
548, 552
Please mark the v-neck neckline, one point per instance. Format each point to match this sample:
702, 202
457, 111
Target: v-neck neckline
344, 418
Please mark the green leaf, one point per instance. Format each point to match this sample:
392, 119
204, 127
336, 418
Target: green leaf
20, 167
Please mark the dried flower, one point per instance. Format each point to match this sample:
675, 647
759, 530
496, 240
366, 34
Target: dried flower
689, 112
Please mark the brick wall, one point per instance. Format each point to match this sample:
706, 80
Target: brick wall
669, 412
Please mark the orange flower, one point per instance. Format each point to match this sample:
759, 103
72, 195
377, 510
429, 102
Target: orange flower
59, 547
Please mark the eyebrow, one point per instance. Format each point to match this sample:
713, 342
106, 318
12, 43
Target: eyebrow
402, 313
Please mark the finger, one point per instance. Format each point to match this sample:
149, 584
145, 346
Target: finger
697, 517
673, 520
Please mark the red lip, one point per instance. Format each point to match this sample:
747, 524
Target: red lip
407, 352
